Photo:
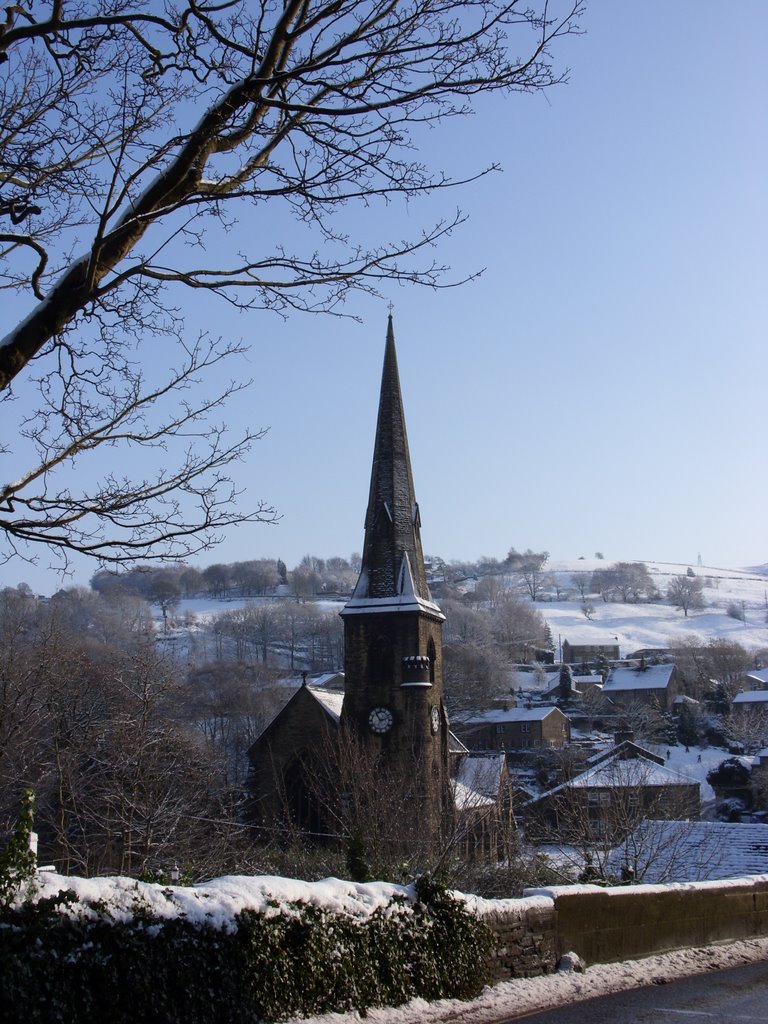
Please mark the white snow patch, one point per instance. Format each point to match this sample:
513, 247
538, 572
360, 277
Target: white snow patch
216, 903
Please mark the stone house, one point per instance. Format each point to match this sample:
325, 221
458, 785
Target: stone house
516, 729
646, 684
578, 654
620, 788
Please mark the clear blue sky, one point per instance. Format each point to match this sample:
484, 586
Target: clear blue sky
602, 386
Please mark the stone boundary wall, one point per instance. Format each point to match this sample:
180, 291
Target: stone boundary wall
526, 938
604, 925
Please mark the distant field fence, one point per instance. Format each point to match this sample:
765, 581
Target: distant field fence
620, 923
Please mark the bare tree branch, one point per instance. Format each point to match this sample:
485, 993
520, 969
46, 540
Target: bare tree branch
132, 135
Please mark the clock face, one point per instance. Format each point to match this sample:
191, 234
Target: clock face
380, 720
434, 716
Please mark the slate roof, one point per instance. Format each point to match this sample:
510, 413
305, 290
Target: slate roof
511, 715
618, 771
693, 851
478, 781
751, 697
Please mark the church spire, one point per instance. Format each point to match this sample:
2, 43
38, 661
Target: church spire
393, 562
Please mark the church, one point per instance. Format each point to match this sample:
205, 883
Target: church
391, 714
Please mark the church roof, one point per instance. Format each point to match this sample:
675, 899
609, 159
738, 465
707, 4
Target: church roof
393, 576
330, 700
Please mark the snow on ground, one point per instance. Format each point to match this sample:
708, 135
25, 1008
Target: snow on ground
635, 625
659, 625
527, 995
687, 763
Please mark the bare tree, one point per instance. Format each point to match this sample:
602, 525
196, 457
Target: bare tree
528, 566
581, 581
140, 133
747, 725
611, 823
686, 593
715, 661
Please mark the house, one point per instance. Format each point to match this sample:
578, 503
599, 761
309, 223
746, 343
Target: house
581, 685
578, 654
756, 680
620, 788
516, 729
646, 684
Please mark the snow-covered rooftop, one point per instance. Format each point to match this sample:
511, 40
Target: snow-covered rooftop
652, 677
635, 771
330, 700
751, 697
482, 774
511, 715
624, 772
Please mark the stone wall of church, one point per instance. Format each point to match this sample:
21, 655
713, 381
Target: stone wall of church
301, 731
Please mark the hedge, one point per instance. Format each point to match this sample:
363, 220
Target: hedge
60, 964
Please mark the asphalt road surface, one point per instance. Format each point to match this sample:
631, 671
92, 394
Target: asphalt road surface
738, 995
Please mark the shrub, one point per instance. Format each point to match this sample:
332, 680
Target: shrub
61, 960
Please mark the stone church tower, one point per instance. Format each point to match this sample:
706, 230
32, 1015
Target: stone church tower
393, 691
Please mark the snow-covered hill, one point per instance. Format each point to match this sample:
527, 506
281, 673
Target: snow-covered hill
635, 626
659, 624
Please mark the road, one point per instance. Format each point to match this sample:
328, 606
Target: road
738, 995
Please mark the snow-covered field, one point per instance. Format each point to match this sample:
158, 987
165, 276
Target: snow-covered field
635, 626
659, 625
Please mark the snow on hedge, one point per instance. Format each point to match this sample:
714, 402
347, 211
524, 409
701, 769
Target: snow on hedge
216, 903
